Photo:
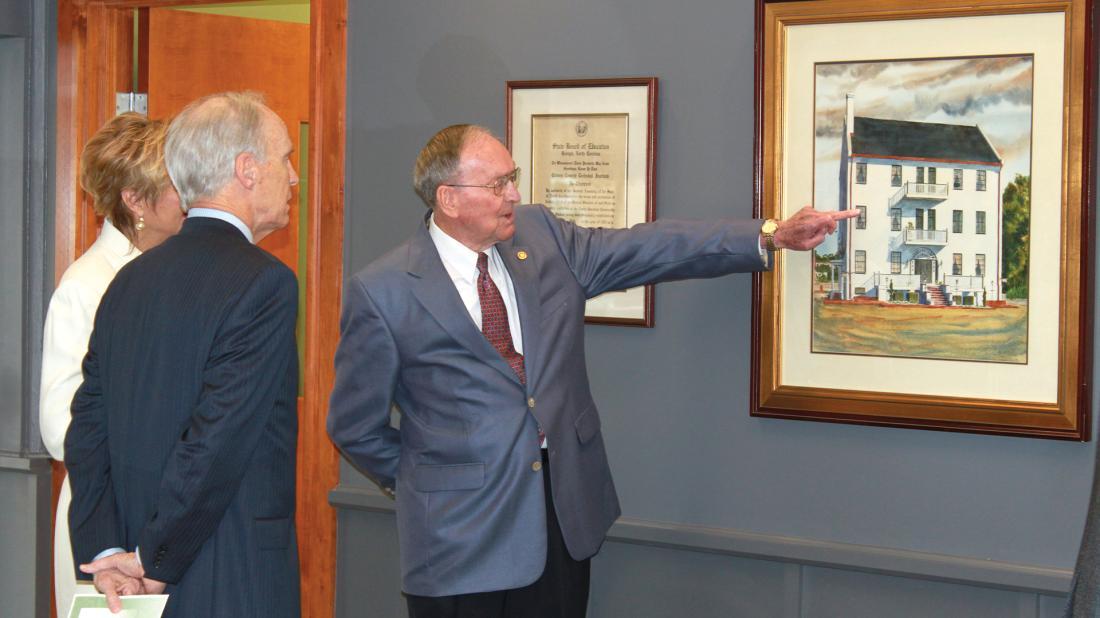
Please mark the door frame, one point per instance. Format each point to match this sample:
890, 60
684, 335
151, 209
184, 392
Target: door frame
922, 255
93, 62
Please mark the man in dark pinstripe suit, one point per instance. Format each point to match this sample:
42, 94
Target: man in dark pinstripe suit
182, 443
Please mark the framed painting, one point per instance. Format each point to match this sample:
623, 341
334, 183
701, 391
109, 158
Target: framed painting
960, 297
586, 148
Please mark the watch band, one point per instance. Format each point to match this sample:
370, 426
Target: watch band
768, 232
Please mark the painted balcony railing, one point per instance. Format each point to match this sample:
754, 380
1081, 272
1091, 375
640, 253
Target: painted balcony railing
920, 191
937, 238
964, 283
897, 282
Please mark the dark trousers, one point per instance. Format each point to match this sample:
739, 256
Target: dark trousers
560, 592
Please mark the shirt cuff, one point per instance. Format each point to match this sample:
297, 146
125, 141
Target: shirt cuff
108, 552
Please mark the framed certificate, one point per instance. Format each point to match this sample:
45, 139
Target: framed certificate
587, 150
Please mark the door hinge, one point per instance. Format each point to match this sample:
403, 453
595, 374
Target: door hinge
131, 102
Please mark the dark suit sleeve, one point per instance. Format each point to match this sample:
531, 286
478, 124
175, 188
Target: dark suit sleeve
367, 365
248, 365
604, 259
94, 523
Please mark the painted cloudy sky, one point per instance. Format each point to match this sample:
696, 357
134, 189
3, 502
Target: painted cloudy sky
992, 93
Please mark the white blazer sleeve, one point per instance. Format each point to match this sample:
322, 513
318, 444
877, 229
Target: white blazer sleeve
64, 343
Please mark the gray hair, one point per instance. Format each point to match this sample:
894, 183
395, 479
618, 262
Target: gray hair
205, 139
439, 158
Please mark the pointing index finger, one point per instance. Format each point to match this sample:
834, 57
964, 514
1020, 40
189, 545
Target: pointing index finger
837, 215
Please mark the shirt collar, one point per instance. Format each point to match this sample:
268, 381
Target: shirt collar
230, 218
461, 258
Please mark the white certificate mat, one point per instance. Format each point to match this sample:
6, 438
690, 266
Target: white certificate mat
136, 606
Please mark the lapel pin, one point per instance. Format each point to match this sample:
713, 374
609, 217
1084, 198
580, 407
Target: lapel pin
521, 254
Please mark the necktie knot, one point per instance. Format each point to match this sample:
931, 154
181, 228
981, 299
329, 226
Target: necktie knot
482, 263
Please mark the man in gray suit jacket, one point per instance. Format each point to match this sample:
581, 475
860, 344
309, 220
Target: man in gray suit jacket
474, 329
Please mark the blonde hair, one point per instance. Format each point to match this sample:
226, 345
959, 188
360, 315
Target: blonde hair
439, 158
126, 153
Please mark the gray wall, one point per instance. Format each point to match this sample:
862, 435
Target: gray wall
724, 514
27, 43
12, 156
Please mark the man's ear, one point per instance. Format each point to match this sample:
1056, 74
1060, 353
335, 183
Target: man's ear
446, 201
245, 169
134, 204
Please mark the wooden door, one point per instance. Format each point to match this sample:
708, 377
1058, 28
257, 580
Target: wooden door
194, 54
95, 43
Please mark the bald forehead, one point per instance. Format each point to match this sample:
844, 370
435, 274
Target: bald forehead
277, 130
483, 151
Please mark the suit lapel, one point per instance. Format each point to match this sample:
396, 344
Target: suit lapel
436, 292
521, 267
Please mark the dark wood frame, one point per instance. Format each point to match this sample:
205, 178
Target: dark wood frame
651, 154
1069, 417
94, 42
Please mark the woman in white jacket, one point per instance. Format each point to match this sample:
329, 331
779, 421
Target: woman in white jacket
122, 170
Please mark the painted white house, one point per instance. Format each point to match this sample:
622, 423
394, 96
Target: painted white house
930, 198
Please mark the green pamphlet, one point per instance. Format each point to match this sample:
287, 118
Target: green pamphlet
136, 606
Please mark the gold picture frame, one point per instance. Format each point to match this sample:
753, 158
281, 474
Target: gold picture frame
826, 341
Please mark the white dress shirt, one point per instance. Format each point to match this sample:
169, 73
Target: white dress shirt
461, 264
213, 213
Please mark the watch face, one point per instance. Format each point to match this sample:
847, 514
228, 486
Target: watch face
769, 227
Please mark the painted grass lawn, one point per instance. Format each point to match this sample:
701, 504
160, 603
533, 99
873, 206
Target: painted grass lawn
991, 335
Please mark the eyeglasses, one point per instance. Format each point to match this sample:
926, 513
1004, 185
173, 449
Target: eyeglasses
498, 185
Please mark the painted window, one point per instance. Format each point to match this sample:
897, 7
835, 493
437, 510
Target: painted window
956, 221
956, 263
861, 220
979, 264
979, 222
861, 173
931, 175
861, 262
920, 175
958, 181
980, 185
931, 219
920, 218
895, 175
895, 219
895, 262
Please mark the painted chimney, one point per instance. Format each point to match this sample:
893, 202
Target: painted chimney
850, 116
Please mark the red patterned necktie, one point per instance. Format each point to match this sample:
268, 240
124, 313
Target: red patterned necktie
494, 322
494, 318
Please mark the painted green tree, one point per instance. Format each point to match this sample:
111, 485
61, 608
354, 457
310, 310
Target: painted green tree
821, 265
1017, 235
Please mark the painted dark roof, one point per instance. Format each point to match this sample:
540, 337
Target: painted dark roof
921, 140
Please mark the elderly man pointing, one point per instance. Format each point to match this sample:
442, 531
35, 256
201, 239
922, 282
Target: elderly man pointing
473, 328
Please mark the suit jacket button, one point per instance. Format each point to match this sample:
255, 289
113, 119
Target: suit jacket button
536, 466
530, 402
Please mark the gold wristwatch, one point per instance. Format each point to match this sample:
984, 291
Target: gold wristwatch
768, 232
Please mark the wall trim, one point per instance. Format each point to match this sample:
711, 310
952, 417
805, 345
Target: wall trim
805, 551
34, 464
